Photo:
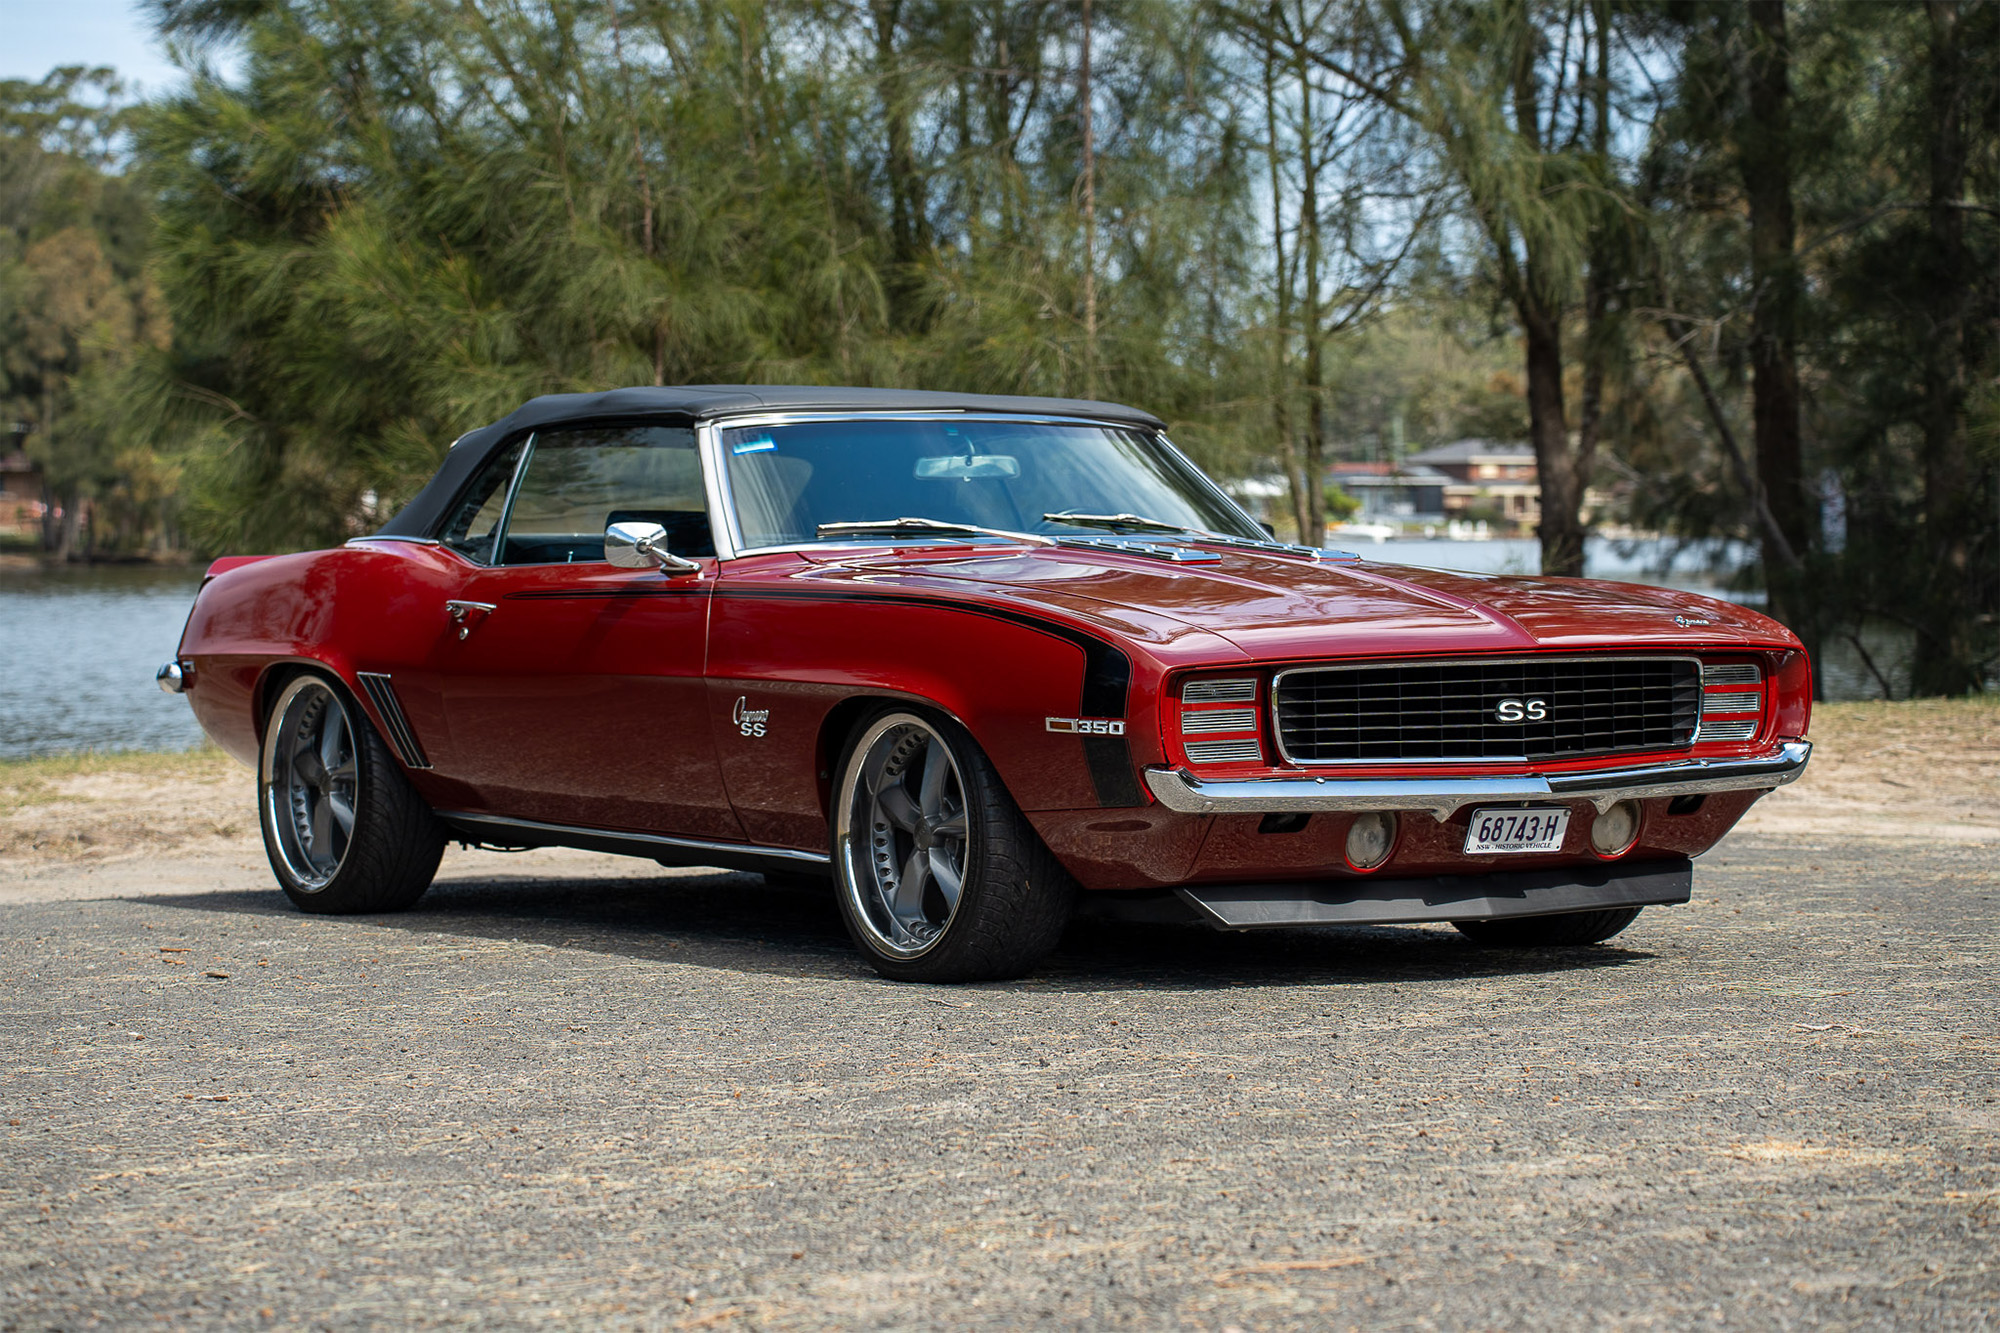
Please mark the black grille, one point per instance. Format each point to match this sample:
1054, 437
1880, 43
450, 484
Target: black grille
1427, 711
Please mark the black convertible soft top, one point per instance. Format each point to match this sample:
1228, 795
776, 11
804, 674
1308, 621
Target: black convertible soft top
702, 402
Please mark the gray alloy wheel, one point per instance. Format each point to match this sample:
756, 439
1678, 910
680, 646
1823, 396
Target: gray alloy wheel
940, 877
310, 776
343, 828
902, 831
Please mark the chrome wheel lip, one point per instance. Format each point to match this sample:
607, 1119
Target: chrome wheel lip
936, 841
310, 775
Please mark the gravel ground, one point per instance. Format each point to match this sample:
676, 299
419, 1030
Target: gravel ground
677, 1099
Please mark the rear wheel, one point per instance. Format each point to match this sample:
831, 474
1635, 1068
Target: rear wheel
344, 830
1542, 932
940, 877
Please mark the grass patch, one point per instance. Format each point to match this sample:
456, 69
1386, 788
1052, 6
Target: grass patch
1920, 723
25, 782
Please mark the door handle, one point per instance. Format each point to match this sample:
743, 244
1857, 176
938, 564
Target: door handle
467, 615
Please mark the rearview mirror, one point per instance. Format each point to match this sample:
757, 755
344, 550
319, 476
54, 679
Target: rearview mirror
968, 467
643, 546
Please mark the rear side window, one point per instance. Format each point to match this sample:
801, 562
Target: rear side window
580, 480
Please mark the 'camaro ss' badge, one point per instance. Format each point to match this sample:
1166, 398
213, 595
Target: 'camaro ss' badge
750, 721
1087, 726
1521, 710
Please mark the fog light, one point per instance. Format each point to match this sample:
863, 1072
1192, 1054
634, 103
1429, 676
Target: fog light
1370, 838
1613, 832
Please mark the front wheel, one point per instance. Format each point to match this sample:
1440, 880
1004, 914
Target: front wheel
1543, 932
940, 877
344, 830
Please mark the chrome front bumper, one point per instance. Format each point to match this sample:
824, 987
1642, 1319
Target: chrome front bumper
1178, 789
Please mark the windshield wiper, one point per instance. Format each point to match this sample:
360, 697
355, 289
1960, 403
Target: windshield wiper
1116, 522
927, 525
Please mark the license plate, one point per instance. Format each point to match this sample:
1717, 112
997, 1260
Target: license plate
1517, 830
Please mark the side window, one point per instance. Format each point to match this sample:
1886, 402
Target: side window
578, 481
476, 522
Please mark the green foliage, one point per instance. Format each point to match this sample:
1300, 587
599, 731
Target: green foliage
1340, 506
405, 219
79, 313
252, 315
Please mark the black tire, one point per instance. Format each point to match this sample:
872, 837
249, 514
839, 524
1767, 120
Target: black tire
1013, 897
1549, 932
387, 853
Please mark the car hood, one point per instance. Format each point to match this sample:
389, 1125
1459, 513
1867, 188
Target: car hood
1278, 607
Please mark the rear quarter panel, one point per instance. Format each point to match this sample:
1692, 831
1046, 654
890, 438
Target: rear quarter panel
351, 607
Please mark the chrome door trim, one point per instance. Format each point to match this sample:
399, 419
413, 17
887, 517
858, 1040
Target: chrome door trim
685, 851
507, 507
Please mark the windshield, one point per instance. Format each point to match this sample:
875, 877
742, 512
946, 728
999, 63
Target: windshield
787, 480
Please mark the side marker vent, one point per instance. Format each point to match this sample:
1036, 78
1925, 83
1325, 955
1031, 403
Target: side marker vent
383, 695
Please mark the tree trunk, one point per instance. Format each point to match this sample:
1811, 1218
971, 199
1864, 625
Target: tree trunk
1281, 331
1561, 529
69, 528
1598, 282
1540, 313
907, 230
1089, 214
1946, 660
1765, 157
1313, 462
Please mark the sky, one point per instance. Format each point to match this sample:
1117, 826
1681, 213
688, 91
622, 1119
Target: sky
38, 35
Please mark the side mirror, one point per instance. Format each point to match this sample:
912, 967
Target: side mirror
643, 546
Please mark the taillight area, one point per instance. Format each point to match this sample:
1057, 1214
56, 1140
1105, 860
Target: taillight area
1220, 722
1732, 701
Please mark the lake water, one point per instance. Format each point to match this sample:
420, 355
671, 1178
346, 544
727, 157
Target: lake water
78, 646
78, 649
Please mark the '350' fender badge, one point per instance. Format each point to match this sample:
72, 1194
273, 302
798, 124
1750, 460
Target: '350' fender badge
1086, 726
749, 721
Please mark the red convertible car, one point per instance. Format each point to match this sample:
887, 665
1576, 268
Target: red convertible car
970, 657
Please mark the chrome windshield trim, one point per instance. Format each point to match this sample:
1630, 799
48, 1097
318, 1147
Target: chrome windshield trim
1180, 790
392, 537
722, 498
715, 483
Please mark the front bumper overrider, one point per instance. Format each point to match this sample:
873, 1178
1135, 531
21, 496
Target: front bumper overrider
1178, 789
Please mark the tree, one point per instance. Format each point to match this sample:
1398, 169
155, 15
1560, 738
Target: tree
1345, 212
78, 310
1516, 100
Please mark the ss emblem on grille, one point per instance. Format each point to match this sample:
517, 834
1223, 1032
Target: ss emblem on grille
1522, 710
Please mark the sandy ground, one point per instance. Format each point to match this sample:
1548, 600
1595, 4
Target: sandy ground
1925, 770
573, 1091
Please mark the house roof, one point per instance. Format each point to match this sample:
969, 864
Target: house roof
1380, 475
1467, 451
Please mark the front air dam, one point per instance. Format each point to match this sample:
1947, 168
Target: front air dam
1386, 902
